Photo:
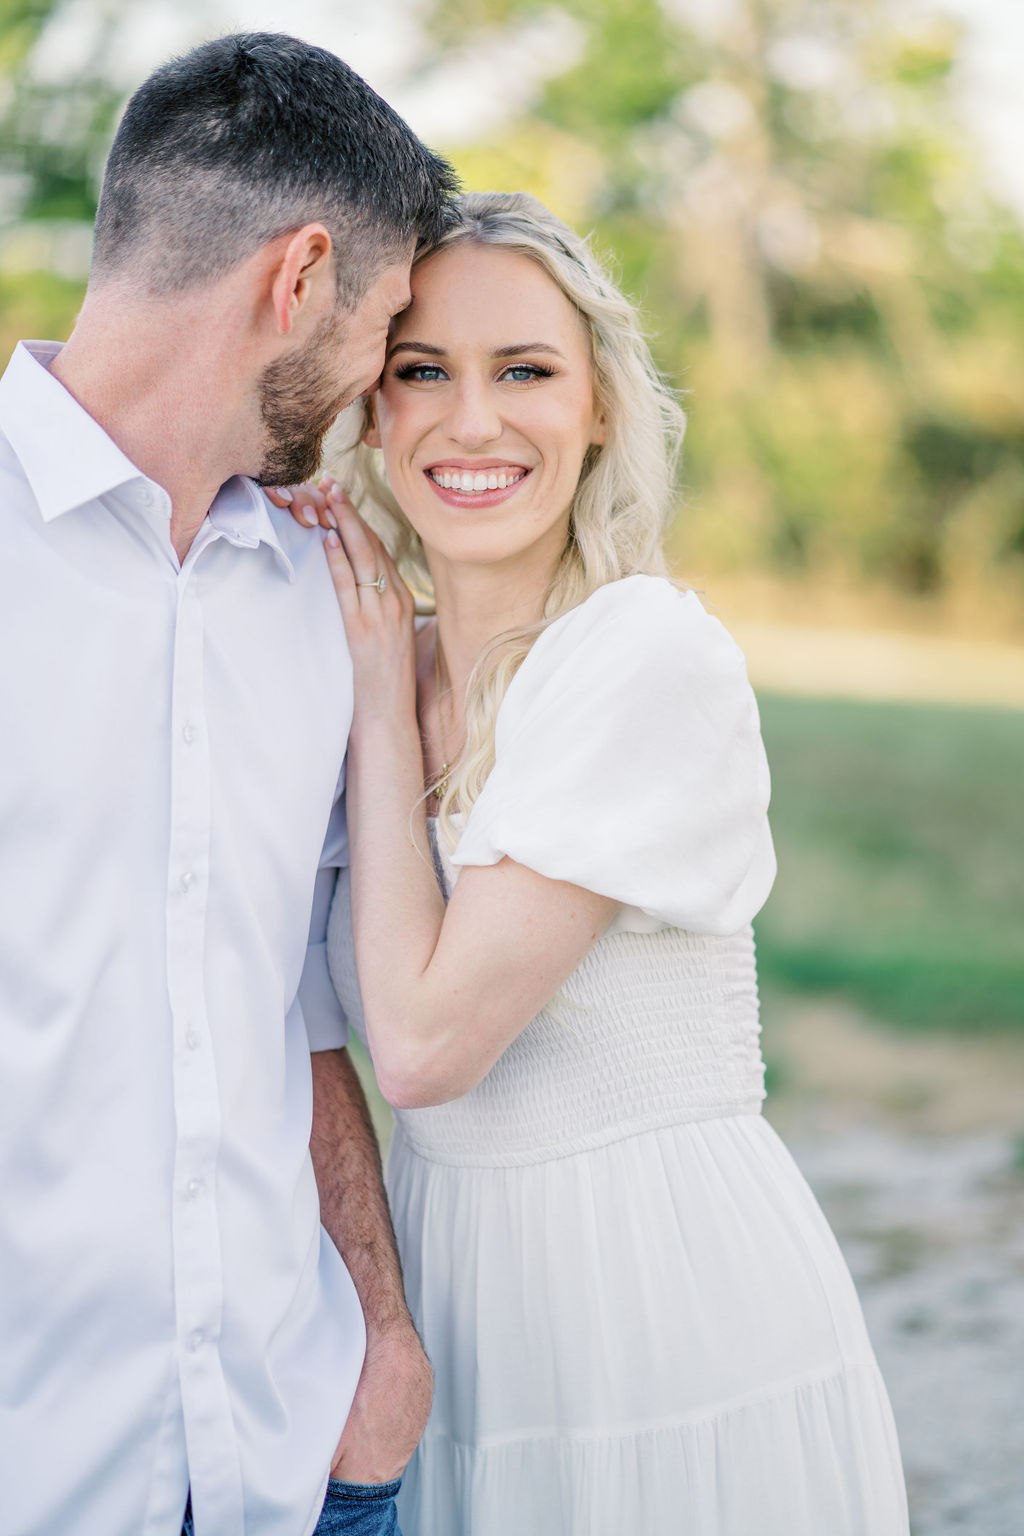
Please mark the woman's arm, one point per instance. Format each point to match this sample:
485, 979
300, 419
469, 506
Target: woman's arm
445, 991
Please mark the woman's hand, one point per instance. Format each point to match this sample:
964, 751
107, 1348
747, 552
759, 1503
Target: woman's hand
309, 504
378, 612
378, 619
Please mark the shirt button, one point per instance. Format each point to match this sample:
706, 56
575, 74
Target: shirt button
189, 733
194, 1188
187, 880
145, 496
195, 1343
192, 1040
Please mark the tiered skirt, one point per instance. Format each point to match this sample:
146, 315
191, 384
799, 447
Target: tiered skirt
655, 1335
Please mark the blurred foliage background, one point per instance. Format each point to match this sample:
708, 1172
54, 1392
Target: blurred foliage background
786, 188
790, 197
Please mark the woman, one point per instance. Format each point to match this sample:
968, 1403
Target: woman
638, 1318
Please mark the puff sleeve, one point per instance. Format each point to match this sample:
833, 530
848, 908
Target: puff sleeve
629, 761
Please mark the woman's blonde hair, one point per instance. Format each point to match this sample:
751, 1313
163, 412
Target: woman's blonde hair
624, 495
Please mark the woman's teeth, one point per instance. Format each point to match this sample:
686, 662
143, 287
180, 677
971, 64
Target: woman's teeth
470, 482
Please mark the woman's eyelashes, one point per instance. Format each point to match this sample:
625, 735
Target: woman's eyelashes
420, 373
528, 371
432, 373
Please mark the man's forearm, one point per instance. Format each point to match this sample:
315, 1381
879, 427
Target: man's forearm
392, 1399
353, 1206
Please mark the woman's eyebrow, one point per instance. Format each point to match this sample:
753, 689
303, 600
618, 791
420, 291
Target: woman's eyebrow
515, 350
526, 346
416, 346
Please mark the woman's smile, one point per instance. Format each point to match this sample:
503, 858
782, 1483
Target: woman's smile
475, 483
486, 408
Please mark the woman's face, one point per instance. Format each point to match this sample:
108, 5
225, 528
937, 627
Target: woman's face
486, 407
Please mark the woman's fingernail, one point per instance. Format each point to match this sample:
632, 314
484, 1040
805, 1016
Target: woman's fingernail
308, 516
284, 493
330, 517
332, 539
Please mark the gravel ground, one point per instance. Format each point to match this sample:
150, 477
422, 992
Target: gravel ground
915, 1148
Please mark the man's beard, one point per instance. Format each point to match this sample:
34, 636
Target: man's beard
300, 400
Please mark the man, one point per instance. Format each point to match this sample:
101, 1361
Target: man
175, 699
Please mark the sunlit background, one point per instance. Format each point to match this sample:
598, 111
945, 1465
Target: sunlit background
819, 205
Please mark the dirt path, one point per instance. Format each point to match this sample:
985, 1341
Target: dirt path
880, 664
915, 1148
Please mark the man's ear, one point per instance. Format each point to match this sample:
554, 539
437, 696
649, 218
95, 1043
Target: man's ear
302, 271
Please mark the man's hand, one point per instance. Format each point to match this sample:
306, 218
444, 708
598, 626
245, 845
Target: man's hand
390, 1409
393, 1396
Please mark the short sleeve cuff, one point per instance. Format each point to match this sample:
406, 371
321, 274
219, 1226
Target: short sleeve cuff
629, 761
326, 1026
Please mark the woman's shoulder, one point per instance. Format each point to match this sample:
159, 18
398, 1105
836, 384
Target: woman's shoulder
628, 760
639, 626
650, 606
640, 598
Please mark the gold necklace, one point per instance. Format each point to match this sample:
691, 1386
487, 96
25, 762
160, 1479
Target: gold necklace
439, 788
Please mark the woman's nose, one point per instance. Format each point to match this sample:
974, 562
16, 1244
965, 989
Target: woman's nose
474, 418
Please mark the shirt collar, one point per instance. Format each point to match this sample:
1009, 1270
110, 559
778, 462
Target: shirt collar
67, 457
37, 414
241, 514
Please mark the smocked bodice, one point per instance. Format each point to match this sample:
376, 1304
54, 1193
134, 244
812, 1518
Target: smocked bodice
628, 761
651, 1029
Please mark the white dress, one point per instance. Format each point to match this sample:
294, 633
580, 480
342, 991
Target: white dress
638, 1317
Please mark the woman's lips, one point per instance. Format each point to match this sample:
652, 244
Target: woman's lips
477, 485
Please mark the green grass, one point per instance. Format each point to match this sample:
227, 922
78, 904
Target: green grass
900, 835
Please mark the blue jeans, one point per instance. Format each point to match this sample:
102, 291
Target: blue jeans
350, 1509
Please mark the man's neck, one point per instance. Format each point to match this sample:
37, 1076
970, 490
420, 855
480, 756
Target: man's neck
172, 409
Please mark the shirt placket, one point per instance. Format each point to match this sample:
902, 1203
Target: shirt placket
214, 1469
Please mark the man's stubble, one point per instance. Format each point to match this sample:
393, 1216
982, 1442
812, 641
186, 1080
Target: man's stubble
300, 399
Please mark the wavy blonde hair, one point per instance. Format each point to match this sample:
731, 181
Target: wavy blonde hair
624, 495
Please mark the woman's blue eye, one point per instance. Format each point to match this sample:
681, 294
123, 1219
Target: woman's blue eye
430, 373
423, 373
523, 373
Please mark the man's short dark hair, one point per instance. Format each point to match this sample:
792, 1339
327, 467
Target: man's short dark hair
248, 137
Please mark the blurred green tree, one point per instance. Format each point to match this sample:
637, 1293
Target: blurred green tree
53, 141
789, 192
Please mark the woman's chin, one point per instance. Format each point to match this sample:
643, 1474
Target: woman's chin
495, 541
475, 553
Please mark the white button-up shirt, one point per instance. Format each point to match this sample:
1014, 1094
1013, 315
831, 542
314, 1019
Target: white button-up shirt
171, 744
